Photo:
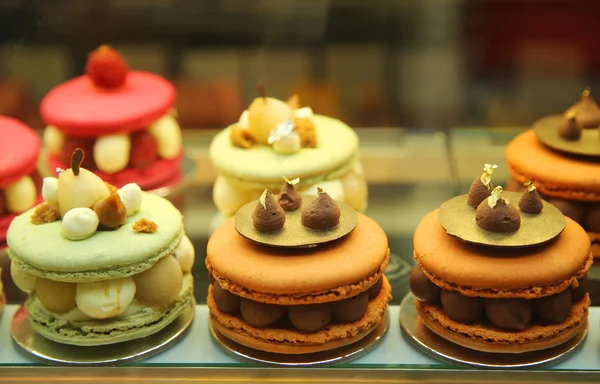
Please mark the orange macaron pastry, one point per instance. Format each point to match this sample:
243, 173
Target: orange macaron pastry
295, 274
560, 154
501, 272
124, 119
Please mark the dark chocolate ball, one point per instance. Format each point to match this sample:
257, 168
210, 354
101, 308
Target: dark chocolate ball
310, 318
226, 301
592, 218
375, 289
554, 308
351, 309
478, 192
423, 288
571, 209
461, 308
509, 314
503, 218
579, 292
261, 314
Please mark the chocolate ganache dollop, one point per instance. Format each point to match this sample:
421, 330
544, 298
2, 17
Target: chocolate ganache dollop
288, 197
482, 187
530, 201
321, 213
268, 215
496, 214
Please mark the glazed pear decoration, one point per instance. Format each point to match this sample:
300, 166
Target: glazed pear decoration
284, 126
84, 202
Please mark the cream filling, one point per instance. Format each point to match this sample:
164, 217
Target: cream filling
111, 152
20, 195
230, 194
75, 314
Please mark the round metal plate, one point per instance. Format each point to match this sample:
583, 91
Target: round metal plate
50, 352
546, 130
435, 346
458, 219
319, 359
294, 234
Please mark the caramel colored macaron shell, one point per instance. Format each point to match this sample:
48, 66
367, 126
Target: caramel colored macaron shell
289, 341
340, 269
486, 338
555, 174
513, 273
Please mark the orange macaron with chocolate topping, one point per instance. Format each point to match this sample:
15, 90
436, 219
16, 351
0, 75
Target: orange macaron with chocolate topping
560, 154
506, 277
309, 280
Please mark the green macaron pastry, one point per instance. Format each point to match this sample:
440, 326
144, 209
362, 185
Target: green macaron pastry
100, 265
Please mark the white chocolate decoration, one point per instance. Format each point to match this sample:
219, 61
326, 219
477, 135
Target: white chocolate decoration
79, 223
334, 189
288, 144
285, 139
131, 196
111, 153
105, 299
53, 140
304, 113
20, 195
243, 123
168, 136
50, 190
185, 254
80, 191
23, 280
229, 198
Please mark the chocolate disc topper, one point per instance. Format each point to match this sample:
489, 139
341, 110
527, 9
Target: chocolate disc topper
458, 219
547, 131
294, 234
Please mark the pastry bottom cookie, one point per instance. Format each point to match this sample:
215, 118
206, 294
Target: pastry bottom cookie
111, 331
289, 341
487, 338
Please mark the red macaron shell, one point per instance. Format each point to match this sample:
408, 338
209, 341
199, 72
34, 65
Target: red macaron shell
79, 108
19, 150
162, 173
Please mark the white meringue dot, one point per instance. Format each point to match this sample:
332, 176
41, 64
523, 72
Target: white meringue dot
131, 196
79, 223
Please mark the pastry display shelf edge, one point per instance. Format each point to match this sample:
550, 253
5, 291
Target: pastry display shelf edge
197, 357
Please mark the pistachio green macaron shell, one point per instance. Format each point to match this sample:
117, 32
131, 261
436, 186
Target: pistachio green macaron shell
43, 251
337, 146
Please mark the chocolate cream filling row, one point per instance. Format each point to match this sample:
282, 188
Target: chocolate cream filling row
506, 314
307, 317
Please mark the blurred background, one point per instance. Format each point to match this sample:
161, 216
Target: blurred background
435, 88
430, 63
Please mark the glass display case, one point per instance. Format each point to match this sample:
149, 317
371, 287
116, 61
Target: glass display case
434, 89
